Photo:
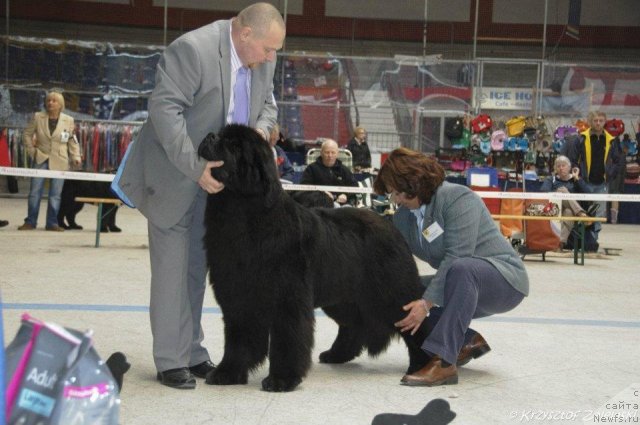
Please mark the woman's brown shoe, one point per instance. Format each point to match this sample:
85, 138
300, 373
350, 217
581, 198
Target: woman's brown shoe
472, 350
432, 374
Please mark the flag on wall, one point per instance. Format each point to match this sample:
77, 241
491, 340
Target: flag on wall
573, 23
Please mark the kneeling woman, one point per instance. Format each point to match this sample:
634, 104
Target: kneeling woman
478, 272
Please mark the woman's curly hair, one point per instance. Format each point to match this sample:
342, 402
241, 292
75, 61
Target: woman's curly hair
411, 172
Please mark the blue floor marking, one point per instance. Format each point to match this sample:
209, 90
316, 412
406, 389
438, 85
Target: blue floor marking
108, 308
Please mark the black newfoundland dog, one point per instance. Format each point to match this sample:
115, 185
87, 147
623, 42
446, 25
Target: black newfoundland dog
272, 261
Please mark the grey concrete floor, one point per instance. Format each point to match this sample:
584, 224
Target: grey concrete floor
569, 351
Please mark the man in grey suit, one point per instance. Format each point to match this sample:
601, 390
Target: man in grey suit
195, 93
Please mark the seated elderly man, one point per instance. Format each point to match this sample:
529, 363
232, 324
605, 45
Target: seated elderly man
566, 180
328, 170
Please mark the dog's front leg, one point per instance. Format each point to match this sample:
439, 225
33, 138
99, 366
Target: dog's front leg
245, 347
290, 346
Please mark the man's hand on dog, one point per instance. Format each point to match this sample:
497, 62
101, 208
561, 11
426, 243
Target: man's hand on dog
207, 182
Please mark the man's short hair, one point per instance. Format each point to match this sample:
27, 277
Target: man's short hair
594, 114
328, 143
259, 17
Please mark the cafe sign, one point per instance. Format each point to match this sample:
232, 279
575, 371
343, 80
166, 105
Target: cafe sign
504, 98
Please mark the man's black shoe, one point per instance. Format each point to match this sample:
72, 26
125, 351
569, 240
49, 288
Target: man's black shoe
200, 370
179, 378
4, 223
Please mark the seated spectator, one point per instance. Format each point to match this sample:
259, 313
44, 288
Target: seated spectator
285, 169
328, 170
282, 142
360, 150
566, 180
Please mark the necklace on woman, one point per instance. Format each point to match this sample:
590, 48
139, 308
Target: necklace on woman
53, 123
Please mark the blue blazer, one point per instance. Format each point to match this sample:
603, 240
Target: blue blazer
469, 231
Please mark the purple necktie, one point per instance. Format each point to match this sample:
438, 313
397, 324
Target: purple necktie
241, 98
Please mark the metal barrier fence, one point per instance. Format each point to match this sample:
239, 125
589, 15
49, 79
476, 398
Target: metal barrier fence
401, 101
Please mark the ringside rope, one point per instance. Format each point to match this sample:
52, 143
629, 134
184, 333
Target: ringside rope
77, 175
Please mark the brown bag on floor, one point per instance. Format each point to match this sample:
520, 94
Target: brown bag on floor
510, 226
539, 235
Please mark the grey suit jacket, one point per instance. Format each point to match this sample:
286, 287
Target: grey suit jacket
469, 231
190, 99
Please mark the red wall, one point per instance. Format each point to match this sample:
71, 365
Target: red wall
313, 23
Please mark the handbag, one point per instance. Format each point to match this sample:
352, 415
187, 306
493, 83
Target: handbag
545, 209
632, 171
563, 131
460, 165
55, 376
515, 126
481, 123
453, 127
497, 140
463, 142
614, 127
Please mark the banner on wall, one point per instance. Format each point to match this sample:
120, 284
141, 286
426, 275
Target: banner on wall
614, 91
504, 98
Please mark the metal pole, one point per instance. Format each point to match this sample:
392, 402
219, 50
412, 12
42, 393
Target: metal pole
544, 29
286, 4
6, 52
424, 48
283, 57
164, 39
538, 108
475, 29
479, 84
424, 32
538, 96
336, 123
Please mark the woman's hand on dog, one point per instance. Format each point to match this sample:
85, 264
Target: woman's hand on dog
207, 182
418, 311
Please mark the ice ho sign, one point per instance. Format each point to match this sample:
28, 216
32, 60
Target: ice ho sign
504, 98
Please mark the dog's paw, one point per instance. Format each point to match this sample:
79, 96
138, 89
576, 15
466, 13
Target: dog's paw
280, 385
220, 376
332, 357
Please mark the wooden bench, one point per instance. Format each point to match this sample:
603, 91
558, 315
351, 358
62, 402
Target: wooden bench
580, 221
99, 202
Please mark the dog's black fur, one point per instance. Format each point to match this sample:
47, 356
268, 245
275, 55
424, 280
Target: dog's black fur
69, 208
313, 199
272, 261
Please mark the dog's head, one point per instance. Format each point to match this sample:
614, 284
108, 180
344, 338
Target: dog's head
249, 167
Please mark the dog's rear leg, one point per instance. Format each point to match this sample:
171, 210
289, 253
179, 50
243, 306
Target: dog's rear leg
245, 347
347, 346
290, 347
350, 340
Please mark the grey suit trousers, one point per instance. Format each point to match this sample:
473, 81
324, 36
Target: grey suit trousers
178, 271
474, 288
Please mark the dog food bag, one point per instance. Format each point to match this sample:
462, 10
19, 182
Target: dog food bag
54, 376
